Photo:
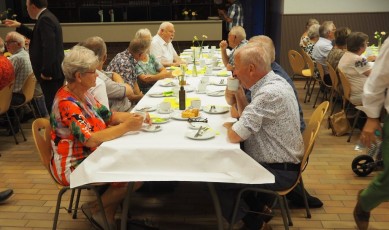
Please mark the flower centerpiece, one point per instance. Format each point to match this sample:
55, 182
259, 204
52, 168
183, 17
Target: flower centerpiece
185, 12
197, 49
194, 13
379, 37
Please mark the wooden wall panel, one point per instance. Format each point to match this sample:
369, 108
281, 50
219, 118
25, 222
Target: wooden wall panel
292, 26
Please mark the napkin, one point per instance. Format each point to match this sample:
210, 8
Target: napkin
174, 102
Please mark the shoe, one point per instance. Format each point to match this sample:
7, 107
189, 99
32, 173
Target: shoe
313, 202
361, 217
4, 195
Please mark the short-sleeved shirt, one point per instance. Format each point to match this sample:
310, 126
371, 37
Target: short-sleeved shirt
124, 64
320, 51
163, 52
7, 73
231, 57
73, 123
270, 124
235, 12
353, 66
22, 65
152, 66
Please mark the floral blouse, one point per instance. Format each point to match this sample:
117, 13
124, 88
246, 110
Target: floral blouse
73, 123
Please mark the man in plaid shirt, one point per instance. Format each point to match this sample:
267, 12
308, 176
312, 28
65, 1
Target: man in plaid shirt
234, 16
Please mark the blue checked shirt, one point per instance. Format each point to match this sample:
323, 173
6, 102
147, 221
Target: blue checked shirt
235, 11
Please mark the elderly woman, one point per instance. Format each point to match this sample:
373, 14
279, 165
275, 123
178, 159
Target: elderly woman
355, 66
313, 35
340, 47
80, 124
304, 37
149, 69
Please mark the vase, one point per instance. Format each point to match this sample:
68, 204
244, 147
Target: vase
194, 70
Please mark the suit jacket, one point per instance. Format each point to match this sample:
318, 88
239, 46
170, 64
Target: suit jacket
46, 46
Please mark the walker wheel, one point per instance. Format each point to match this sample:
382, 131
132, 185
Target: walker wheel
363, 165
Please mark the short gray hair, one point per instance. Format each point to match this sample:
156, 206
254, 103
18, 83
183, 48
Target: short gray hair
15, 36
78, 59
138, 45
256, 54
325, 28
164, 25
97, 45
143, 33
267, 43
313, 31
239, 32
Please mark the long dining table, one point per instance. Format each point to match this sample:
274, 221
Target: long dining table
171, 151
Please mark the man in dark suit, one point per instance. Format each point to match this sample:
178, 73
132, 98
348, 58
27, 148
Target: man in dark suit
46, 47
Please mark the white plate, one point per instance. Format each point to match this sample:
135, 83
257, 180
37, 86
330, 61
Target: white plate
219, 81
196, 125
159, 120
167, 83
151, 128
206, 135
217, 110
217, 68
164, 111
177, 115
217, 93
146, 108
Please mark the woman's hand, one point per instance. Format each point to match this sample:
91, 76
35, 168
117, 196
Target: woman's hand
134, 122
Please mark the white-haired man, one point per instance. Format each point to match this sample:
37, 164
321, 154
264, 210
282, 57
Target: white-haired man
162, 47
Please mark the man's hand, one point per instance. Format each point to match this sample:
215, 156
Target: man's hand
368, 133
11, 23
223, 44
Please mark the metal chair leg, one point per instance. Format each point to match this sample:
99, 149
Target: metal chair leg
354, 123
59, 199
77, 203
305, 199
71, 201
216, 204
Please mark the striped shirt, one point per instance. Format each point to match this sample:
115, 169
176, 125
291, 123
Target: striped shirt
235, 12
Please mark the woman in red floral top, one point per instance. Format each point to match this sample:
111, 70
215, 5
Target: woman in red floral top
7, 74
80, 124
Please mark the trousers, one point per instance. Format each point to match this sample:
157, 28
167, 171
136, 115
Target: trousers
378, 190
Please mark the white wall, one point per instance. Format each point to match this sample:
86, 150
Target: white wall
334, 6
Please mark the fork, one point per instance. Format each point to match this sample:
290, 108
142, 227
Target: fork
221, 81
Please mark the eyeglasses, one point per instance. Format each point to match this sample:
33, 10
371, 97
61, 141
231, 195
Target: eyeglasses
199, 119
9, 42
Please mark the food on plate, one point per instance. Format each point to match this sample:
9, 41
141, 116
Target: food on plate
190, 113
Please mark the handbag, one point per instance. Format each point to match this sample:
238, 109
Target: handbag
339, 123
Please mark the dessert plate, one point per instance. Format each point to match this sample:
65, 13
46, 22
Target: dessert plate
196, 125
146, 108
167, 83
204, 136
215, 109
217, 93
151, 128
165, 111
161, 94
159, 120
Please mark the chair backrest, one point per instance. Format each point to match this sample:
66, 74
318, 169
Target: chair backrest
29, 87
309, 61
333, 76
41, 132
319, 113
296, 61
5, 97
346, 87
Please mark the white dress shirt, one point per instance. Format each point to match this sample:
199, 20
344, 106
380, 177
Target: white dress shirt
100, 92
164, 52
374, 91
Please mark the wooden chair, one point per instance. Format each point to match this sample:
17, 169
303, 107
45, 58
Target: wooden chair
312, 80
309, 137
325, 88
41, 130
336, 90
346, 87
5, 103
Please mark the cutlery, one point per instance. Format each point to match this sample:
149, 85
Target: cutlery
213, 108
198, 132
221, 81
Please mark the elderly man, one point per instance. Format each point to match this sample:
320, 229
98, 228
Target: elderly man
236, 39
20, 59
46, 48
323, 46
124, 64
119, 94
162, 47
268, 127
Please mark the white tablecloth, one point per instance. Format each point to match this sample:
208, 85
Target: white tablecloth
168, 155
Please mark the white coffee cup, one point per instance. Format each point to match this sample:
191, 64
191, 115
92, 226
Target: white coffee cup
195, 104
215, 61
165, 106
209, 70
143, 114
202, 63
232, 84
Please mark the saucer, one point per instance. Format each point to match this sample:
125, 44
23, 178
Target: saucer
146, 108
151, 128
165, 111
217, 93
196, 125
205, 136
215, 109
